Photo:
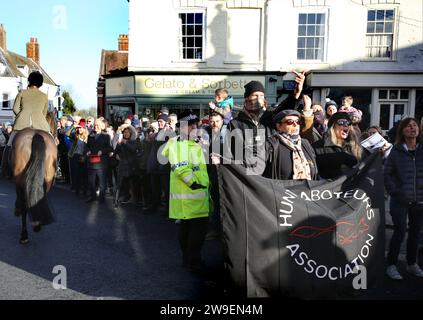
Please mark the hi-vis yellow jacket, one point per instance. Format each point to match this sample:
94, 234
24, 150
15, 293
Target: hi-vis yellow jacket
188, 165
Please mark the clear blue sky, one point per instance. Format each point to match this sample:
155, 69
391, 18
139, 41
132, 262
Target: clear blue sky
71, 34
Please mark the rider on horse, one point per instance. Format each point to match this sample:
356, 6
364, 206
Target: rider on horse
30, 109
33, 154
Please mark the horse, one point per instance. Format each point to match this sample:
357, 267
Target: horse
34, 164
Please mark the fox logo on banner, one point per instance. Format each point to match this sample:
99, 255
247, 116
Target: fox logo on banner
305, 239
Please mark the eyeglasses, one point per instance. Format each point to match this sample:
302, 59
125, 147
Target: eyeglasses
290, 122
343, 122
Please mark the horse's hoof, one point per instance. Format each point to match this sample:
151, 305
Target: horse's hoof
24, 241
36, 226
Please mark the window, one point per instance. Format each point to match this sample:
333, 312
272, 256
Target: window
380, 33
311, 36
191, 35
393, 94
5, 104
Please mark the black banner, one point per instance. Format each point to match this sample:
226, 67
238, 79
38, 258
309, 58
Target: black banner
304, 238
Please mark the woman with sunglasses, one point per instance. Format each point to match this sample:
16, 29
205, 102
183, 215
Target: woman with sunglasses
288, 156
339, 149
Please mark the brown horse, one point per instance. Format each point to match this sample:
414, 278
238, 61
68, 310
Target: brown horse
34, 164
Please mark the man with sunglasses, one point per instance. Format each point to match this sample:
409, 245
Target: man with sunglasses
339, 149
288, 156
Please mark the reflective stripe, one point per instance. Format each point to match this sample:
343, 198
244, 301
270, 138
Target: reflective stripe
190, 196
179, 164
196, 168
188, 178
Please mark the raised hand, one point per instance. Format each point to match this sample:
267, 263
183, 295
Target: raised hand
299, 80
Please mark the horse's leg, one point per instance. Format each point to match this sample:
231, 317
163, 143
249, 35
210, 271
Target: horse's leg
24, 232
20, 210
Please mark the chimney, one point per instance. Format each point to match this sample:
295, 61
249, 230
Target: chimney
123, 42
33, 50
2, 37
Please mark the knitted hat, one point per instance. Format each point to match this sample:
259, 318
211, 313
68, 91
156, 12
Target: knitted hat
282, 114
163, 117
253, 86
336, 116
330, 103
351, 111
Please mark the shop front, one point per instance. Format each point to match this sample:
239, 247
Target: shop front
383, 97
146, 94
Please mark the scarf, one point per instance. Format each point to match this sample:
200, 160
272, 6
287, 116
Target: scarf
300, 164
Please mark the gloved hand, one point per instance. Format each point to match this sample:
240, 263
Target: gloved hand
196, 186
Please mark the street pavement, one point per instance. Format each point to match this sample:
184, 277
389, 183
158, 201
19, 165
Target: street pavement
108, 253
123, 253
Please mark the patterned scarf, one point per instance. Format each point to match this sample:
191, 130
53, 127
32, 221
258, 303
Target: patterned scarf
300, 164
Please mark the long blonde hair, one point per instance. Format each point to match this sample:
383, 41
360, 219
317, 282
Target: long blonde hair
82, 133
351, 143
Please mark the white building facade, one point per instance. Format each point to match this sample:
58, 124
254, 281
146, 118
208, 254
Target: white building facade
14, 72
181, 50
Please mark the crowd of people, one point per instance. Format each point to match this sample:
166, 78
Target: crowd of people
168, 165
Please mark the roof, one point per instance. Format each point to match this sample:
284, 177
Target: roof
13, 60
113, 60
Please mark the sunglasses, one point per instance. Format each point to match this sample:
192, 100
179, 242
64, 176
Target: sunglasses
290, 122
343, 122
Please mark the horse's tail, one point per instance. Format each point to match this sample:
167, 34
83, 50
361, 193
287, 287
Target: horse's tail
34, 173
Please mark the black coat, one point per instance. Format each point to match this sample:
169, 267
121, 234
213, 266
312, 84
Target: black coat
403, 174
332, 160
250, 137
96, 143
127, 157
153, 164
279, 159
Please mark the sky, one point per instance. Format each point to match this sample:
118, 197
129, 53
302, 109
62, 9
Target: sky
71, 35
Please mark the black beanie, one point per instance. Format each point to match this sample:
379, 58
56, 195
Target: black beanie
253, 86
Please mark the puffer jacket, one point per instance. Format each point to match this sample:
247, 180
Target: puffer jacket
403, 174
